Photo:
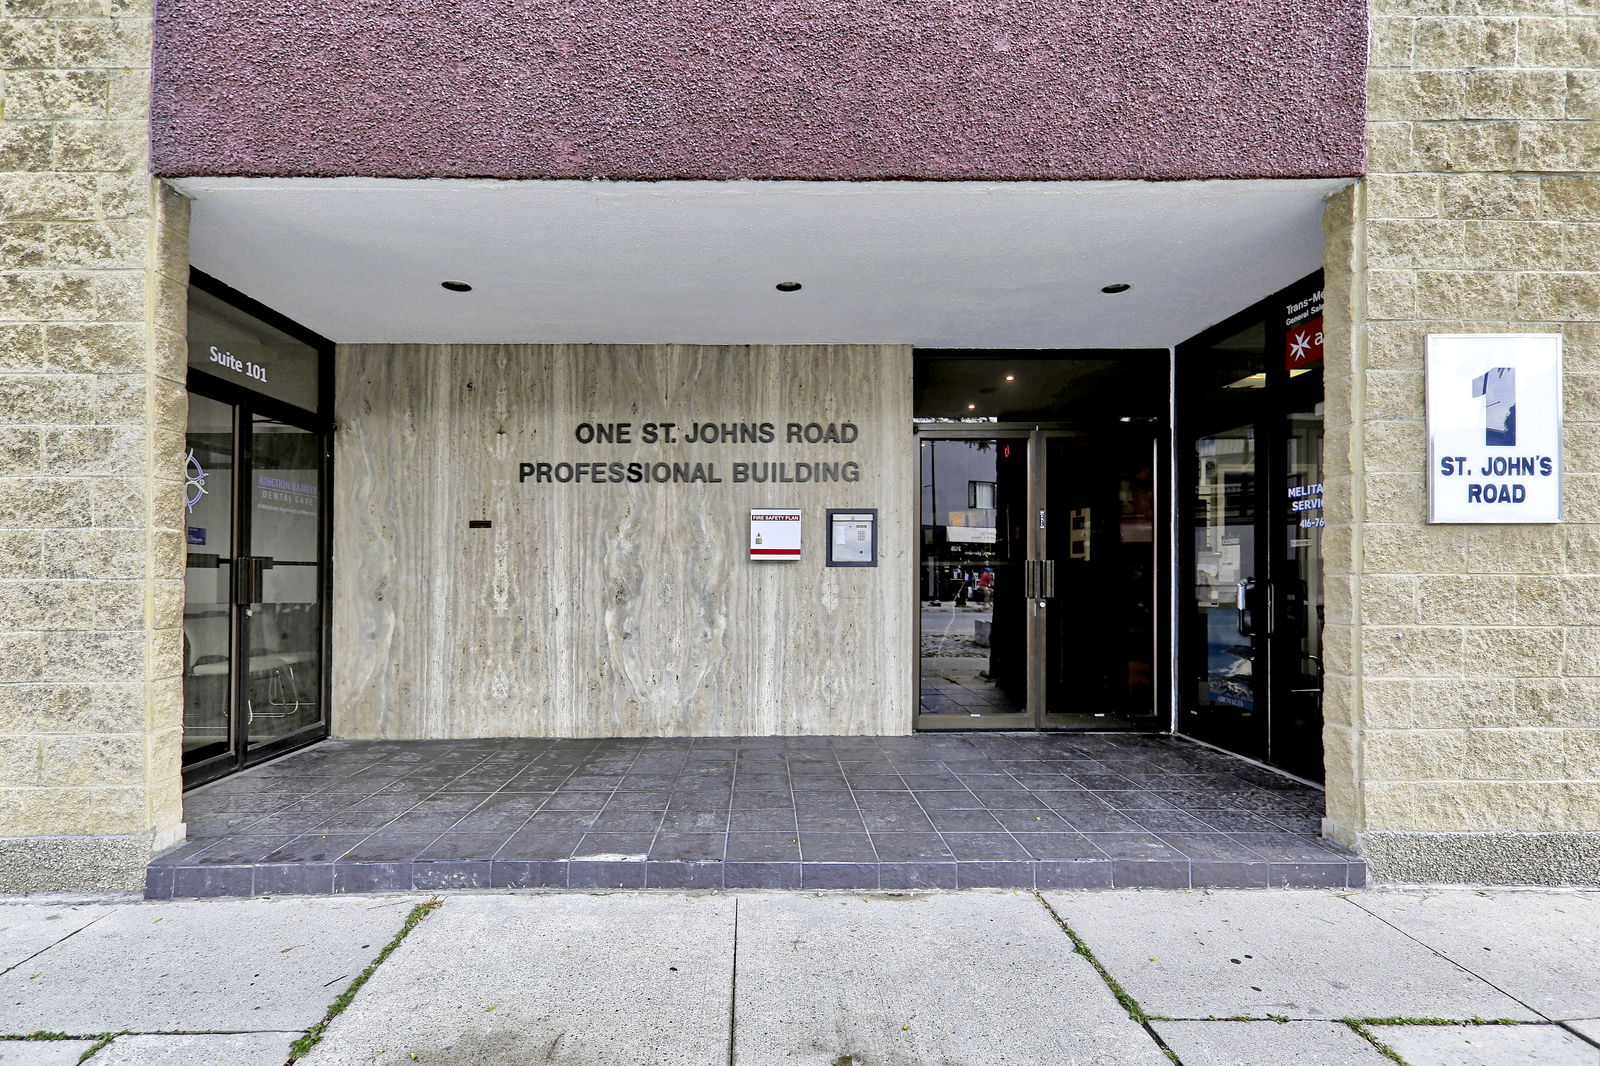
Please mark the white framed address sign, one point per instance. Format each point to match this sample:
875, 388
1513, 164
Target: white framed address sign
1494, 427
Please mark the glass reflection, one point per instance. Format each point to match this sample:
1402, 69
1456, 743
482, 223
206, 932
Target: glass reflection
973, 618
282, 690
208, 578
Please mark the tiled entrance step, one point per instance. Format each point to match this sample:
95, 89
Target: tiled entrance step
929, 811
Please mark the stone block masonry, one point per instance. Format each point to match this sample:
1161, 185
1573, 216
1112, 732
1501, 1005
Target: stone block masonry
93, 269
1463, 688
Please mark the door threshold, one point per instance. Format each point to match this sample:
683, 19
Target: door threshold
1280, 771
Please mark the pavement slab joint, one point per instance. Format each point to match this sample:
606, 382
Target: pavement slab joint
733, 988
1376, 1031
62, 939
1301, 955
314, 1035
1127, 1002
1447, 958
199, 966
1539, 965
1586, 1029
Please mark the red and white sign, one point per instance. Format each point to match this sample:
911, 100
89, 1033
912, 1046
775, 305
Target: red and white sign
774, 534
1302, 332
1302, 347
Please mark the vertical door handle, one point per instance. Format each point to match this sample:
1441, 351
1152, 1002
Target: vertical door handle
250, 578
1039, 579
1241, 604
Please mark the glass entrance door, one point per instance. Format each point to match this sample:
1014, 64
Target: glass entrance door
1250, 625
1100, 523
282, 572
1038, 582
208, 630
253, 620
1226, 704
1295, 729
975, 619
255, 627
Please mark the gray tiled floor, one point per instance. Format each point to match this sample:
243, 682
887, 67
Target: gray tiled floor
926, 811
963, 699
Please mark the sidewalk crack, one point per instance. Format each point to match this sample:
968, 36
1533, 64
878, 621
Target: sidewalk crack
733, 987
1370, 1037
63, 940
1129, 1004
1458, 965
310, 1040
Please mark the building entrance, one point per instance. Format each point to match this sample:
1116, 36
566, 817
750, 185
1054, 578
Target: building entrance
1043, 540
1080, 568
1250, 453
254, 626
1038, 579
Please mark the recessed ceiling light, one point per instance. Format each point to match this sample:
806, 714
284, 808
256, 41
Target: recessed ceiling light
788, 286
456, 286
1120, 286
972, 407
1011, 377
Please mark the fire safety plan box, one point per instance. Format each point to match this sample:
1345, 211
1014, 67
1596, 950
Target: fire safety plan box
853, 537
774, 533
1494, 427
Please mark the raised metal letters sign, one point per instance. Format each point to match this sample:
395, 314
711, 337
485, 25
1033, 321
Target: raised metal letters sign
667, 453
1494, 427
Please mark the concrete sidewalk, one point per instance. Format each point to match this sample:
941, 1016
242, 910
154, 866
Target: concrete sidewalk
977, 978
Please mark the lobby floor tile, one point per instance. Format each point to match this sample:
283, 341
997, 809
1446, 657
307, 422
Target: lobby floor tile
1023, 810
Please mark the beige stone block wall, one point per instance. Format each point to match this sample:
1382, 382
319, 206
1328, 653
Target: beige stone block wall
93, 274
1464, 661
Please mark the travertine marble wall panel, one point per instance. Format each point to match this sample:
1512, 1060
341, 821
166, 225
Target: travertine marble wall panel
612, 609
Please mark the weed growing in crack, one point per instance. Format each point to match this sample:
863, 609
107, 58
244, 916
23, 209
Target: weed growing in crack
309, 1041
1366, 1034
102, 1041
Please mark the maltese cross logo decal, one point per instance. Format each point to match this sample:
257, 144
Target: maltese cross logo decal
1303, 345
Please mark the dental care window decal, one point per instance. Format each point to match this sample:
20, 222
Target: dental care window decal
194, 481
1494, 427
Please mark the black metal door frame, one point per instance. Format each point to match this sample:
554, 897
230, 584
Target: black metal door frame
1264, 609
245, 404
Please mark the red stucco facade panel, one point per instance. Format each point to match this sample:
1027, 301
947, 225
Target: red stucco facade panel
717, 89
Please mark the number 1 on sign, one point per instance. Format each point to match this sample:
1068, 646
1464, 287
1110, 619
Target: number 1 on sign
1498, 387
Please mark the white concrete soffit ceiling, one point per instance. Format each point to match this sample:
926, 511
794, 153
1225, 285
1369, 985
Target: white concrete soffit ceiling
935, 264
